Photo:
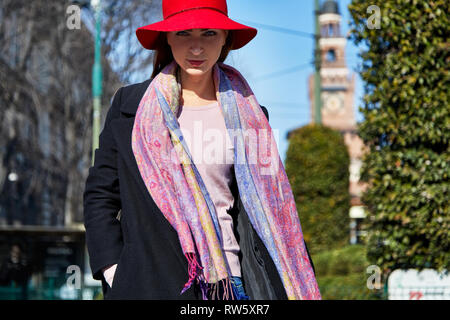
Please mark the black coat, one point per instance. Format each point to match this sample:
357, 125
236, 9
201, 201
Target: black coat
125, 226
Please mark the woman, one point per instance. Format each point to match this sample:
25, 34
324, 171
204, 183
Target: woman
216, 224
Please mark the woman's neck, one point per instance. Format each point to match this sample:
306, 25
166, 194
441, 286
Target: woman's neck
197, 90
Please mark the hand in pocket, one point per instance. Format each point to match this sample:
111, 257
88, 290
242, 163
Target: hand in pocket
108, 273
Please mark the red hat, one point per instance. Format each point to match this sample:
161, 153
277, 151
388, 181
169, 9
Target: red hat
193, 14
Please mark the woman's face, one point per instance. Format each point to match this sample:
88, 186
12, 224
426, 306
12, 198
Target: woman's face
196, 44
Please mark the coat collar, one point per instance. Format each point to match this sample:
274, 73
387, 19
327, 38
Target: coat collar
132, 96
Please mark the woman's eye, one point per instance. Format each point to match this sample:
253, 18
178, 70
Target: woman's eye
207, 33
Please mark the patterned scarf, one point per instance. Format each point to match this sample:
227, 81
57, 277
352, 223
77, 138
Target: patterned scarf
172, 179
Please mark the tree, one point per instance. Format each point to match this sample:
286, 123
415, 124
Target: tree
120, 19
45, 73
45, 99
407, 129
317, 164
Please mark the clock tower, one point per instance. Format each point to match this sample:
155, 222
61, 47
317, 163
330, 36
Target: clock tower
338, 85
337, 95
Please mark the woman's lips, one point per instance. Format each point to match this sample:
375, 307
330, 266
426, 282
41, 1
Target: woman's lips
196, 63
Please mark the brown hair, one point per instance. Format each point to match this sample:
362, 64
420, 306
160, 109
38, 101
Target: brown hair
162, 55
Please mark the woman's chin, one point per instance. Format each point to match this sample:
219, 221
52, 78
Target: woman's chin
195, 71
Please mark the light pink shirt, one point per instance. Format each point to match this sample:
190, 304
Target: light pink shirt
204, 129
212, 151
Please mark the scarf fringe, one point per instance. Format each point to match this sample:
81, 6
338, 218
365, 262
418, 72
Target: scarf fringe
210, 291
193, 267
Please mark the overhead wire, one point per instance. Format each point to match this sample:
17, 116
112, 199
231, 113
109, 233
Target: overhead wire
284, 112
280, 29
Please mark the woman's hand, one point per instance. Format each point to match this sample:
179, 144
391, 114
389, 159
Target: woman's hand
108, 273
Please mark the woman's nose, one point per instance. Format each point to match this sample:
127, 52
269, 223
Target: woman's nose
196, 50
196, 47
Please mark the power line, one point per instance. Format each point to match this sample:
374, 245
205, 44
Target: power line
280, 29
275, 111
286, 105
282, 72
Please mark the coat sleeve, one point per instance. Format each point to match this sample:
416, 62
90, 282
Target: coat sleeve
101, 200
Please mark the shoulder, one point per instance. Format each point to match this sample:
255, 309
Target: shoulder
134, 89
128, 97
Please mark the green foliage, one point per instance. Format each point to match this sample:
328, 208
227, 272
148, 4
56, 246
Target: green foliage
317, 164
407, 129
348, 287
342, 261
341, 274
99, 296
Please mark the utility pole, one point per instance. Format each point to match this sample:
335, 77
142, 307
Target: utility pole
96, 78
317, 63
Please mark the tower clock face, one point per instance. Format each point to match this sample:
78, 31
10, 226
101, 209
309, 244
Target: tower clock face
333, 103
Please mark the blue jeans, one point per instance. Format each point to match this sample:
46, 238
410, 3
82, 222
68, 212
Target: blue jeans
238, 289
236, 286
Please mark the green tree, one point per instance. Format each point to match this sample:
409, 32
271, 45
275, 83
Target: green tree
407, 129
317, 164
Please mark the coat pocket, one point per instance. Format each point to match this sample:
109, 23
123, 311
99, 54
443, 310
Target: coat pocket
116, 283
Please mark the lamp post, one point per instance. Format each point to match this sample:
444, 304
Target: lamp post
96, 78
13, 198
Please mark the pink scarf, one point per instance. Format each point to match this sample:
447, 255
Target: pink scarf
173, 181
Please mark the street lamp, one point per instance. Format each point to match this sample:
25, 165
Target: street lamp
13, 177
13, 197
96, 78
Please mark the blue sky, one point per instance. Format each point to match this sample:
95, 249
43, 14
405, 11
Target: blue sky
286, 95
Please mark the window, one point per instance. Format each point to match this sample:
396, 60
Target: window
331, 55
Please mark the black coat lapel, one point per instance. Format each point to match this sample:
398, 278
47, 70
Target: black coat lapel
123, 127
122, 133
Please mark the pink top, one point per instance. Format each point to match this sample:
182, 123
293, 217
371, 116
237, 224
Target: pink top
213, 155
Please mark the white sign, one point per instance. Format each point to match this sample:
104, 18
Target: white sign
413, 285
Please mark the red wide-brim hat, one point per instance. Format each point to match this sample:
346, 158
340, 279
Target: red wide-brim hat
193, 14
